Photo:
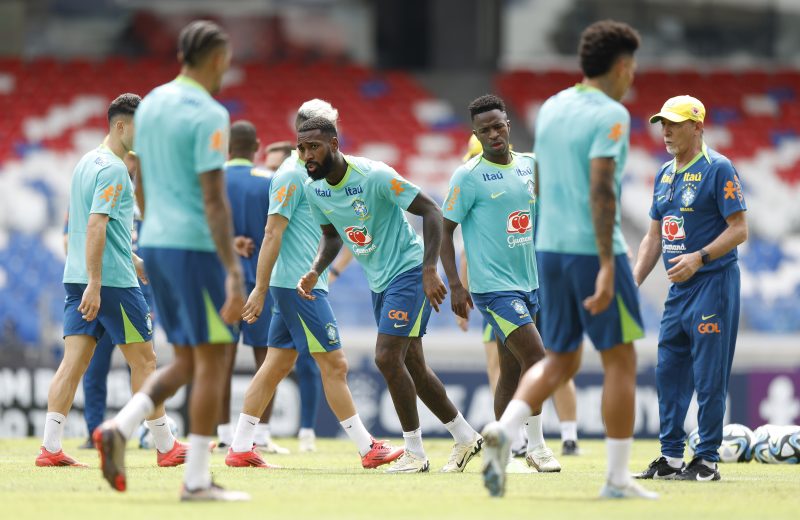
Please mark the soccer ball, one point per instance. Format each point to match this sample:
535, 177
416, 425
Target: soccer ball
693, 440
760, 448
777, 444
145, 437
737, 441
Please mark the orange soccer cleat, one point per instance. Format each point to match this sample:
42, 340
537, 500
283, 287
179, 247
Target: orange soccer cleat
381, 453
244, 459
174, 457
58, 458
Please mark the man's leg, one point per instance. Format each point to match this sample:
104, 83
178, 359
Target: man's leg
95, 386
566, 404
263, 436
224, 427
491, 346
308, 379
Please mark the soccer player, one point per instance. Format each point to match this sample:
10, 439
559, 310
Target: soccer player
298, 325
363, 202
493, 197
587, 285
103, 294
698, 220
187, 245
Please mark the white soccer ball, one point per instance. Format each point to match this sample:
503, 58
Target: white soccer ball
760, 448
145, 436
777, 444
693, 440
737, 441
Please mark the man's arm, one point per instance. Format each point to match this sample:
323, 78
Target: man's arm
339, 265
95, 245
688, 264
432, 283
139, 193
270, 249
649, 251
218, 216
603, 201
460, 300
329, 246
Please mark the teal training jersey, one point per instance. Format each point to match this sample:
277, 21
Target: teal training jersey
573, 127
100, 184
495, 205
287, 198
181, 132
367, 209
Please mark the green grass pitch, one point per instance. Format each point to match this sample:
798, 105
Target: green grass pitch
331, 484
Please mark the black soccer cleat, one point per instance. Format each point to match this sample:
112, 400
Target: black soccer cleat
698, 471
569, 448
660, 469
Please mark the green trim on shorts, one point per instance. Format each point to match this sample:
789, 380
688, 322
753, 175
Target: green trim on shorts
218, 332
506, 327
417, 324
488, 333
630, 329
314, 346
132, 335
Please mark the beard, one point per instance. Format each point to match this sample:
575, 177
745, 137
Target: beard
321, 170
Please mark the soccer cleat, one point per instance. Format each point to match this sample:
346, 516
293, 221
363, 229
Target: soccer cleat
213, 493
111, 445
517, 467
496, 452
630, 490
543, 460
462, 453
570, 448
270, 447
698, 471
307, 441
379, 454
519, 451
88, 445
660, 469
58, 458
410, 463
246, 459
174, 457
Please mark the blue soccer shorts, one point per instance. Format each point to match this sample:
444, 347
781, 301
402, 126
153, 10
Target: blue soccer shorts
402, 309
507, 311
303, 325
123, 315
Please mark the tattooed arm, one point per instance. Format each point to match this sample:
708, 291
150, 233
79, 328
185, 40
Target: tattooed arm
603, 201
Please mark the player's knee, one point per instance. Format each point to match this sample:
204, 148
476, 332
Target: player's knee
335, 368
387, 361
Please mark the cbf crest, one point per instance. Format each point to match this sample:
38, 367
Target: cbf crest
519, 307
333, 336
360, 208
688, 195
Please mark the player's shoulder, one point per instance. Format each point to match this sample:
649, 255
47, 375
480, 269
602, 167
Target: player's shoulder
525, 158
368, 167
100, 159
716, 160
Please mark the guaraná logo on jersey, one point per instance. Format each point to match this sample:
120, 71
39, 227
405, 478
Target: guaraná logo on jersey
358, 235
672, 228
360, 208
519, 222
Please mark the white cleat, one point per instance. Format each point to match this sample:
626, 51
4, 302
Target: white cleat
270, 447
496, 451
307, 440
517, 467
462, 453
542, 460
409, 463
213, 493
630, 490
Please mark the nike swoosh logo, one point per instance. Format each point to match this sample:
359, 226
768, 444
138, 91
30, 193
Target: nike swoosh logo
251, 423
327, 211
705, 478
495, 195
399, 326
349, 426
56, 420
708, 317
661, 197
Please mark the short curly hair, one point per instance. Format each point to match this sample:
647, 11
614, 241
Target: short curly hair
486, 103
123, 105
602, 43
324, 125
198, 39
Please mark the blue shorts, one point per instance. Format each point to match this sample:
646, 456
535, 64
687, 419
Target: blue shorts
303, 325
402, 308
488, 331
257, 334
123, 315
507, 311
565, 281
189, 291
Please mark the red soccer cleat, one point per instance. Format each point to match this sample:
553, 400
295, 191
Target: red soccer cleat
58, 458
174, 457
381, 453
246, 459
110, 444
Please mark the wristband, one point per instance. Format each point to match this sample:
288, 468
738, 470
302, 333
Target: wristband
335, 272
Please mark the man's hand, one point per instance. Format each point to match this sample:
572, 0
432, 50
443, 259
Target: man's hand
244, 246
603, 290
306, 285
254, 306
90, 302
461, 303
433, 286
138, 264
231, 311
462, 323
684, 267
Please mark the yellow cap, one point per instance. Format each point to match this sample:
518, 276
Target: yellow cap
473, 148
681, 108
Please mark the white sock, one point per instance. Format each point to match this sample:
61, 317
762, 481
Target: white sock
413, 442
306, 432
162, 435
133, 413
245, 433
619, 454
460, 429
533, 428
569, 431
225, 433
53, 431
355, 429
198, 463
516, 412
674, 462
709, 464
263, 435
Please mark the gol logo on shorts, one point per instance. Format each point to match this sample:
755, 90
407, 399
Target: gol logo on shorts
708, 328
398, 315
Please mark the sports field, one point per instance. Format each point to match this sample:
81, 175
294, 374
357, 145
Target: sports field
331, 484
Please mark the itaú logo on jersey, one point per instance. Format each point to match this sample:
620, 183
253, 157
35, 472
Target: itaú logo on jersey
672, 228
358, 235
519, 222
